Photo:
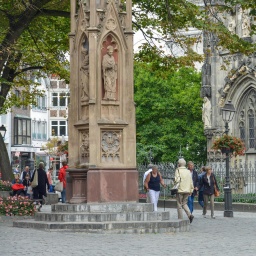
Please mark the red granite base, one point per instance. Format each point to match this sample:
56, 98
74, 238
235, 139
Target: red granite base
112, 185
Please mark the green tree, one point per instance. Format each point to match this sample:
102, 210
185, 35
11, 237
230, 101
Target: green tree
34, 37
33, 42
168, 114
165, 21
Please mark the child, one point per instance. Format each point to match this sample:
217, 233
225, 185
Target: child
26, 184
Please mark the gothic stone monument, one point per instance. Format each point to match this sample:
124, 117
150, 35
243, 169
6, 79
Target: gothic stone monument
102, 136
237, 83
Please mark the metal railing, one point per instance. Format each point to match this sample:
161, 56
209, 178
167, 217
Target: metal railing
242, 177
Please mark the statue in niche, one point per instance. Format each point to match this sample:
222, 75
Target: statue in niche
84, 74
232, 25
246, 25
207, 111
224, 91
109, 68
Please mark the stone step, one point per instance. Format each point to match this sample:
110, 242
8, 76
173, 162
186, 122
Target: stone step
138, 227
106, 207
102, 217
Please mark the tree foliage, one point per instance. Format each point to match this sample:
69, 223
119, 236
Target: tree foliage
167, 21
33, 43
168, 114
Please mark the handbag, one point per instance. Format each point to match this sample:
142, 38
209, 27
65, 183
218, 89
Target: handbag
174, 189
34, 183
59, 186
216, 191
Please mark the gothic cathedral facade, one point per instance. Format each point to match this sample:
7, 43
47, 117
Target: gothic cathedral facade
235, 82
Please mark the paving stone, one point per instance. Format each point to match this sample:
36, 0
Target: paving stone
220, 236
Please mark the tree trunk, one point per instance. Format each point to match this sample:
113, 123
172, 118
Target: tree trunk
5, 165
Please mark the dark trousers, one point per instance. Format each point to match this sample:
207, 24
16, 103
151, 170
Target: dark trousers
37, 195
201, 198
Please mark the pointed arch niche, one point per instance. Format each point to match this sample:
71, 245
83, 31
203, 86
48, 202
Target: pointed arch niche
110, 69
83, 78
247, 119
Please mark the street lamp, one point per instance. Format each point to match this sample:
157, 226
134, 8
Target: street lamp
3, 130
227, 113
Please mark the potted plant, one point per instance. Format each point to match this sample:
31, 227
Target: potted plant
229, 144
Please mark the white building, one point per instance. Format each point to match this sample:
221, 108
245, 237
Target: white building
30, 128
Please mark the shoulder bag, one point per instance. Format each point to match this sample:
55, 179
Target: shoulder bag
34, 183
216, 191
59, 186
174, 189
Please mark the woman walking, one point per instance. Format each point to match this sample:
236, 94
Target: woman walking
152, 185
208, 182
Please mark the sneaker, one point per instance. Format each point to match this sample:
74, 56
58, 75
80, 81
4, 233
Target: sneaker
213, 217
191, 217
204, 215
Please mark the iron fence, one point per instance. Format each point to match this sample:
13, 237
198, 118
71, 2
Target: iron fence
242, 177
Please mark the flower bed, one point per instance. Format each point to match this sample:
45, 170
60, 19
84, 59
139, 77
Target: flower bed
17, 206
5, 185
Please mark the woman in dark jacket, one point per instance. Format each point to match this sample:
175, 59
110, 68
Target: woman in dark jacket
208, 181
40, 190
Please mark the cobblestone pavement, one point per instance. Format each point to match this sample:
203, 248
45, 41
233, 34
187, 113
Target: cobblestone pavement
220, 236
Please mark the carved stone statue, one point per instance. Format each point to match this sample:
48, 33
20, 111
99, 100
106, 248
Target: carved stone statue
246, 25
109, 68
231, 24
207, 112
84, 74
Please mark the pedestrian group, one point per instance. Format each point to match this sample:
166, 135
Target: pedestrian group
190, 184
35, 184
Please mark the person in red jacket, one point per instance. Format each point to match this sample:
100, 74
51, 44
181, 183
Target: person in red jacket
62, 178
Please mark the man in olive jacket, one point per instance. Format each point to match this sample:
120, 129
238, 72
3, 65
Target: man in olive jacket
186, 188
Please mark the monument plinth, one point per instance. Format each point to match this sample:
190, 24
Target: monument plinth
102, 130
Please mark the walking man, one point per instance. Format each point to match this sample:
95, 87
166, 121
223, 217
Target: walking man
183, 176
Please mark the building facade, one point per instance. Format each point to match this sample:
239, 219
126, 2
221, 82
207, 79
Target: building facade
235, 82
29, 128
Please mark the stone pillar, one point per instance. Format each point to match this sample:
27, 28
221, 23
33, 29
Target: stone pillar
102, 135
79, 185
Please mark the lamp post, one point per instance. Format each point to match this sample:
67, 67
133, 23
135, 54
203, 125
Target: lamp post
227, 113
5, 165
3, 130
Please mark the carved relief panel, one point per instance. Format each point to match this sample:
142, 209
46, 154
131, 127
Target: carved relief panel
84, 147
111, 146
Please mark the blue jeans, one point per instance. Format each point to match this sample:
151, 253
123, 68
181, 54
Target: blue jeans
50, 188
191, 203
63, 195
201, 198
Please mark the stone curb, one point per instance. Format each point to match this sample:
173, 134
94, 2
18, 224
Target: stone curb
237, 207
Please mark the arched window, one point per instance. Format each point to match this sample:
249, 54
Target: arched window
251, 129
246, 120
